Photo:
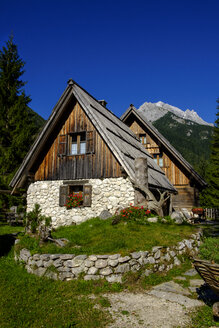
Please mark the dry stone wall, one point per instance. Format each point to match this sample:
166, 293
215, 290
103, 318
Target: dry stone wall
107, 194
110, 267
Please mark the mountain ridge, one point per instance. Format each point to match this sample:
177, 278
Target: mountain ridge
155, 111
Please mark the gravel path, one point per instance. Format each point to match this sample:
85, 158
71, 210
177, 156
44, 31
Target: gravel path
143, 310
167, 305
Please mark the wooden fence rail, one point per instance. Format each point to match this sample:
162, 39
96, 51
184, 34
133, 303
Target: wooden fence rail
212, 213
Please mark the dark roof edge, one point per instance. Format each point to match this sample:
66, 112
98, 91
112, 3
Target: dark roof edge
15, 180
127, 112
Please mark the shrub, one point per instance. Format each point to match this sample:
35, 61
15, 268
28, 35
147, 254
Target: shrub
35, 222
134, 213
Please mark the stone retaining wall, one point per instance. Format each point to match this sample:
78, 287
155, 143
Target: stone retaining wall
111, 267
107, 194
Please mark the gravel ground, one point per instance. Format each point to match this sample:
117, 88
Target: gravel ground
167, 305
142, 310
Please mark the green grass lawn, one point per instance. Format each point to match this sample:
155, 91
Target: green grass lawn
97, 236
30, 301
7, 229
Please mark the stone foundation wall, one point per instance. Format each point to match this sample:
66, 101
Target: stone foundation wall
107, 194
111, 267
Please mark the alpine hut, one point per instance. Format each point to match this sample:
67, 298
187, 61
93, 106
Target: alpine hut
180, 173
84, 148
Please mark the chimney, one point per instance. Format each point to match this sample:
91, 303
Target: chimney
103, 102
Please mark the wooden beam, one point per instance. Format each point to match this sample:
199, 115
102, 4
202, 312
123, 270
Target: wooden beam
141, 178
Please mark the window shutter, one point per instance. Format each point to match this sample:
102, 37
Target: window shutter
87, 195
63, 194
62, 149
90, 140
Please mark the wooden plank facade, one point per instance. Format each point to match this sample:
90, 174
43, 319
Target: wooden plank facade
57, 162
181, 177
166, 162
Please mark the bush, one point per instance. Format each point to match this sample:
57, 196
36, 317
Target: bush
35, 222
133, 213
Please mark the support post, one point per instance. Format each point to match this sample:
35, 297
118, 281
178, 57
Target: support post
141, 178
171, 204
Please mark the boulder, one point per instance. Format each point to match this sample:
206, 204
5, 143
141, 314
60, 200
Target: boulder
178, 220
186, 214
178, 217
153, 220
24, 254
215, 310
104, 215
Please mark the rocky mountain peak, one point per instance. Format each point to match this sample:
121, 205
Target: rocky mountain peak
154, 111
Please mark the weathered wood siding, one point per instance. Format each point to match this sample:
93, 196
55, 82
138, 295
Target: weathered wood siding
99, 164
187, 196
170, 166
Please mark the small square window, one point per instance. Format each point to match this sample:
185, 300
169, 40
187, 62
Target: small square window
158, 159
83, 191
76, 190
143, 139
78, 143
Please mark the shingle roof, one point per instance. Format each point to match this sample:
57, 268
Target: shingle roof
119, 138
164, 142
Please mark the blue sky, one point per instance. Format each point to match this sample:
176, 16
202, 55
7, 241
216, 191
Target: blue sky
121, 51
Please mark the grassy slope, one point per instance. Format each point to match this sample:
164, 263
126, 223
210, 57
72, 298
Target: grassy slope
96, 236
178, 135
209, 250
30, 301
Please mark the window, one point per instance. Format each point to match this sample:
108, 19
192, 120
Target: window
77, 143
158, 159
76, 188
143, 139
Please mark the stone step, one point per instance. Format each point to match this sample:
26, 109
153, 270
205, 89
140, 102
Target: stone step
177, 298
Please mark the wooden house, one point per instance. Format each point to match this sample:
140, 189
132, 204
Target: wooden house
180, 173
84, 148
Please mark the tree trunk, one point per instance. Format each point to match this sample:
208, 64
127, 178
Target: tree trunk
141, 178
152, 204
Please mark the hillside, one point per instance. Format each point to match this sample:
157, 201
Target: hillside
36, 118
191, 139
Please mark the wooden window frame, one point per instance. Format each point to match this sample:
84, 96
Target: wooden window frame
143, 135
65, 191
78, 136
158, 157
65, 143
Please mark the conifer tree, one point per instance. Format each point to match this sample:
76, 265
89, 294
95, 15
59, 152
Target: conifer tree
17, 126
210, 196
